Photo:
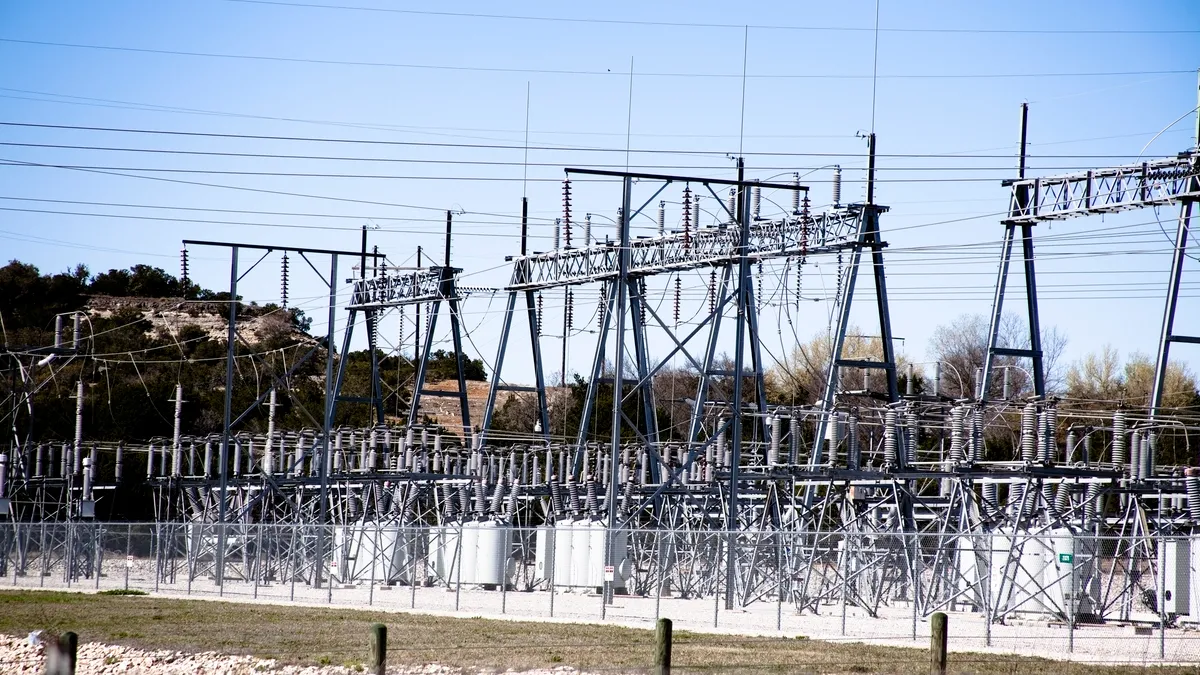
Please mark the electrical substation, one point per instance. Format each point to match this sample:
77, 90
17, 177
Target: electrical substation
874, 501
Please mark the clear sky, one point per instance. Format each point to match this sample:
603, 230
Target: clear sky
443, 88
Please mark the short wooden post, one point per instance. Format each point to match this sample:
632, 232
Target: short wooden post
61, 654
378, 649
937, 643
662, 648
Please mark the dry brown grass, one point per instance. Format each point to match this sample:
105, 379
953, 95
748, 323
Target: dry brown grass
338, 636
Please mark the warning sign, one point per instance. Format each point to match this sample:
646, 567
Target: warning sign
610, 573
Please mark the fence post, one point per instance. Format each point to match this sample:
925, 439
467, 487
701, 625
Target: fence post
937, 644
60, 655
378, 649
662, 648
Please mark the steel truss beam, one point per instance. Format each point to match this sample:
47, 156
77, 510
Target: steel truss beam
1153, 183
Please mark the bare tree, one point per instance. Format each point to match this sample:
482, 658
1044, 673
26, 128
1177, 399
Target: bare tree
961, 347
800, 379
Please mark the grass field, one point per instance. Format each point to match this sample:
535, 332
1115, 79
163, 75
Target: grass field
336, 636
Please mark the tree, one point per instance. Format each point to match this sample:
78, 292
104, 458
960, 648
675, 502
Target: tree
1101, 379
801, 378
441, 367
1097, 377
1098, 382
961, 348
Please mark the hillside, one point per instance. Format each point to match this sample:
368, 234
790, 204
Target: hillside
180, 318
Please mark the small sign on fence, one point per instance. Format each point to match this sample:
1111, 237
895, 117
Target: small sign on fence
129, 561
1066, 558
610, 573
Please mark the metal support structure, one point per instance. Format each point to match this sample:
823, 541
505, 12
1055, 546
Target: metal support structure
1021, 198
868, 238
1178, 257
1152, 183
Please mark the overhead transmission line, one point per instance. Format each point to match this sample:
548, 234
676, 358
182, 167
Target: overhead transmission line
697, 24
540, 148
598, 73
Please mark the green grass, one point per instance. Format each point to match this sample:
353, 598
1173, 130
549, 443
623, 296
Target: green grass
323, 636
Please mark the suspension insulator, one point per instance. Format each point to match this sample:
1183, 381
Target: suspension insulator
799, 280
602, 307
678, 292
283, 282
566, 217
839, 275
687, 216
184, 279
758, 298
712, 291
805, 227
642, 301
539, 314
570, 310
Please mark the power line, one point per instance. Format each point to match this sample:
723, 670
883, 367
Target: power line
371, 176
683, 24
602, 73
471, 162
433, 131
552, 148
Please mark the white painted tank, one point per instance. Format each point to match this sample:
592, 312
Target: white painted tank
442, 542
491, 553
368, 552
564, 543
1050, 572
597, 549
581, 555
464, 568
543, 551
1069, 576
1018, 565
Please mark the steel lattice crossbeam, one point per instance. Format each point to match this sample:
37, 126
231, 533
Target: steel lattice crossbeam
1098, 191
708, 247
393, 290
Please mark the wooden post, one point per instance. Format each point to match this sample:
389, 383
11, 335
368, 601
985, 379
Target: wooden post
662, 648
937, 644
378, 649
61, 653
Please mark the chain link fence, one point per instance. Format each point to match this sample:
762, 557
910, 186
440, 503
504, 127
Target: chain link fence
1133, 599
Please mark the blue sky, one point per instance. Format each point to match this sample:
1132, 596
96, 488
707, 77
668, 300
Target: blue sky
951, 77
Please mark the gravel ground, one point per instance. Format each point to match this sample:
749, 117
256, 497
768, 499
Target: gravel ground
19, 657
